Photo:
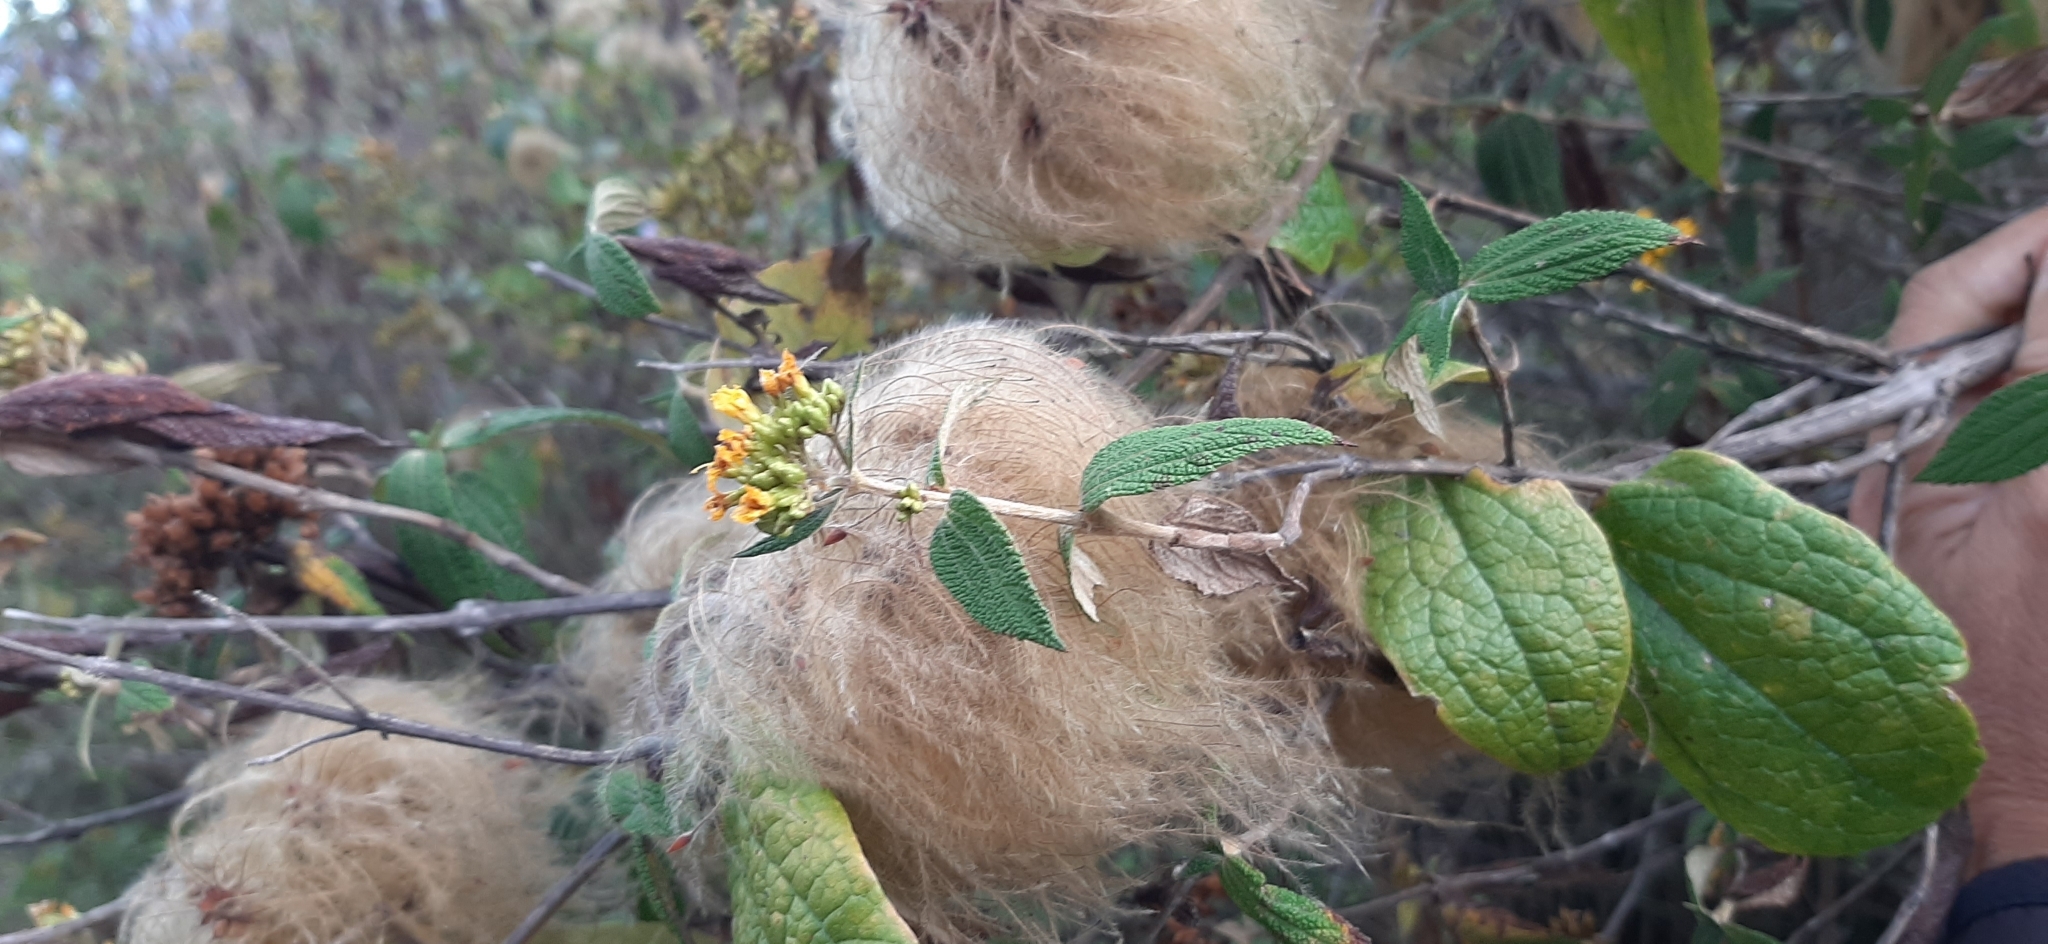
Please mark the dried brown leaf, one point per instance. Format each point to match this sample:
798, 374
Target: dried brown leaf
1217, 573
707, 270
2017, 86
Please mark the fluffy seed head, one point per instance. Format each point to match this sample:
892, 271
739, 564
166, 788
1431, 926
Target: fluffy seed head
977, 768
1048, 130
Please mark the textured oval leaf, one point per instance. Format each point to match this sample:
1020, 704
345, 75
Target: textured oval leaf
1431, 322
1503, 605
638, 805
797, 872
621, 288
1153, 459
1321, 224
419, 480
1432, 262
974, 556
482, 430
2005, 437
1558, 253
804, 528
1521, 164
1665, 45
1792, 678
1291, 917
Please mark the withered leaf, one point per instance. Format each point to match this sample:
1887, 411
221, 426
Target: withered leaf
2017, 86
707, 270
1217, 573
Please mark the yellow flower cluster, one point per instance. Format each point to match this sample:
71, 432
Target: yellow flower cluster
36, 341
1655, 258
766, 458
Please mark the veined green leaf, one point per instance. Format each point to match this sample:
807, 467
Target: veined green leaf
1558, 253
1947, 74
798, 875
1793, 680
974, 556
621, 287
1432, 262
804, 527
141, 698
1665, 45
1321, 224
686, 439
637, 805
451, 572
1154, 459
2005, 437
1432, 322
1520, 164
1290, 916
1502, 605
482, 430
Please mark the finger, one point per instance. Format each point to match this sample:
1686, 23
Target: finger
1985, 284
2033, 354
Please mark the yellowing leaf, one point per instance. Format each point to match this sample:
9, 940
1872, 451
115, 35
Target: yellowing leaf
831, 289
1665, 45
335, 580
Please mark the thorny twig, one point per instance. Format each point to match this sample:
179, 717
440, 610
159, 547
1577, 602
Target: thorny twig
375, 721
592, 860
79, 826
323, 500
1526, 872
1700, 298
469, 615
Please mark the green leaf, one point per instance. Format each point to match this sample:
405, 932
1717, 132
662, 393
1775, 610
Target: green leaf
1502, 605
1793, 680
976, 559
1947, 74
1664, 43
2005, 437
797, 872
1319, 226
1673, 388
1432, 262
1948, 185
1432, 322
638, 805
1886, 112
482, 430
141, 698
621, 287
1720, 931
1520, 165
804, 527
1558, 253
1877, 23
1978, 145
1149, 460
1290, 916
451, 572
686, 439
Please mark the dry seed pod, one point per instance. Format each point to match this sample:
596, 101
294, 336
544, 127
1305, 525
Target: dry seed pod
366, 839
977, 768
1050, 130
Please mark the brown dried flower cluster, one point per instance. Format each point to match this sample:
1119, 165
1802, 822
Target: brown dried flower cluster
185, 540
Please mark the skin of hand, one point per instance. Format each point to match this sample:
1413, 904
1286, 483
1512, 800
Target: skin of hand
1981, 551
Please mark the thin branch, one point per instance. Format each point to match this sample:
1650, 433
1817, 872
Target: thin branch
470, 616
1355, 467
1700, 298
561, 280
1826, 916
1894, 483
323, 500
58, 933
1769, 408
270, 636
1527, 872
1609, 311
1498, 377
1845, 97
11, 808
1213, 343
1227, 276
78, 826
824, 368
316, 740
1891, 450
592, 860
375, 721
1930, 852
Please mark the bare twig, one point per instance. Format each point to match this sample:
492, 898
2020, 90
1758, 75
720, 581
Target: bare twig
592, 860
825, 368
1700, 298
1604, 309
1213, 343
55, 934
1909, 438
471, 616
561, 280
1894, 483
375, 721
1498, 377
11, 808
78, 826
1256, 238
1826, 916
1355, 467
1526, 872
270, 636
323, 500
318, 739
1930, 849
1769, 408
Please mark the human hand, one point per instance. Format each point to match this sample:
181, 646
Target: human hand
1981, 551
